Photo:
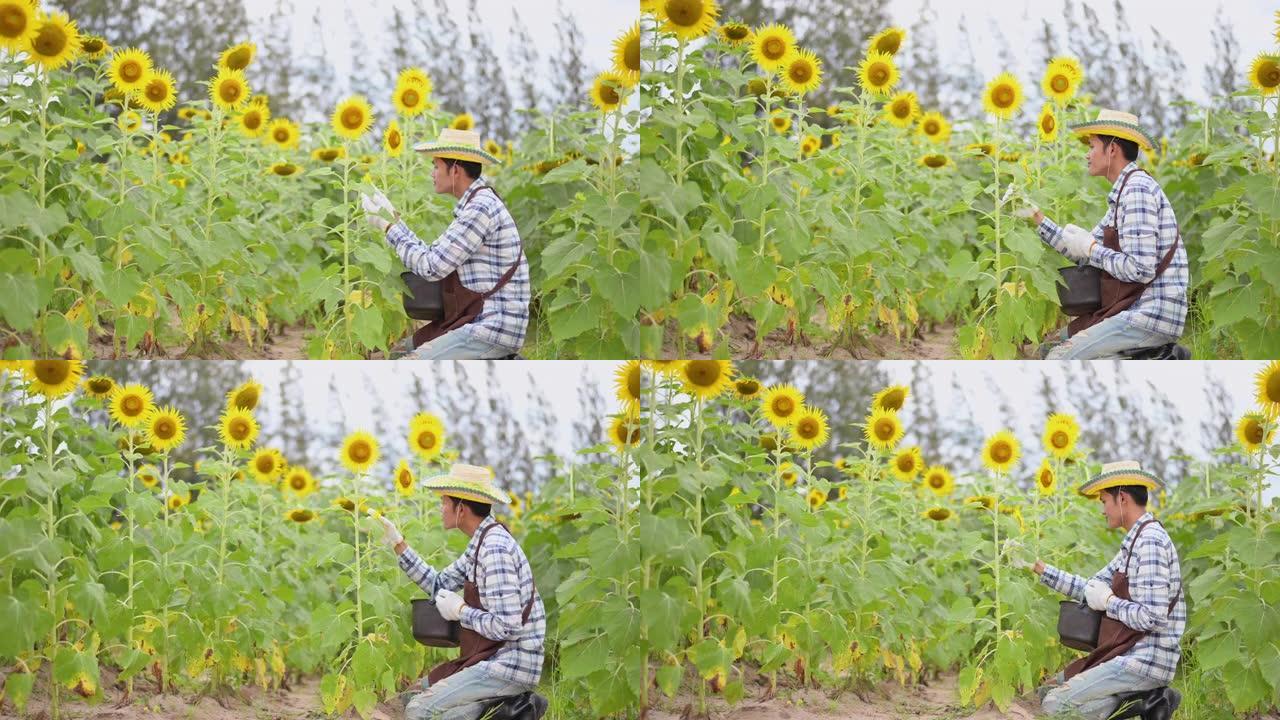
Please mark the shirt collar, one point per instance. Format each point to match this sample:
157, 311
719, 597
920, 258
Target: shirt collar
1114, 195
472, 189
1128, 538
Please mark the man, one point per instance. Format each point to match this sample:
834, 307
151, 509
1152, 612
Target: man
479, 258
1136, 245
1140, 592
500, 610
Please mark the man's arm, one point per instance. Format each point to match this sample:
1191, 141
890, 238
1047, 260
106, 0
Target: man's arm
427, 578
459, 241
1073, 585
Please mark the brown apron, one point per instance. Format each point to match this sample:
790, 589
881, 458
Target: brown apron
475, 647
1118, 295
1114, 637
461, 304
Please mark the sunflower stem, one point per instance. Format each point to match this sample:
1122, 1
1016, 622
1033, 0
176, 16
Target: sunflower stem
42, 79
128, 597
51, 536
346, 255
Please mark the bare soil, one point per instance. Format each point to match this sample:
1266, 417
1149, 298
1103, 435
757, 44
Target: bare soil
929, 343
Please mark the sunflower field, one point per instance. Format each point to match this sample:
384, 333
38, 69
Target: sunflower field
876, 216
136, 566
136, 222
766, 570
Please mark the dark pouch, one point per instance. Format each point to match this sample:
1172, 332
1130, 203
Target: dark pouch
430, 628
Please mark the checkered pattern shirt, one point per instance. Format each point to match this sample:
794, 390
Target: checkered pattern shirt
1155, 577
481, 243
505, 582
1147, 229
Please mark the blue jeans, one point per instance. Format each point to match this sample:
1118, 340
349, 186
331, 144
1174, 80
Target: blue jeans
460, 696
1092, 694
460, 344
1105, 340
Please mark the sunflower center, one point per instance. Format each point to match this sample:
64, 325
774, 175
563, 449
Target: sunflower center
50, 41
52, 372
1059, 440
609, 95
939, 514
888, 45
1003, 96
703, 373
1046, 479
239, 59
157, 91
253, 121
779, 122
1048, 124
13, 21
884, 430
1269, 75
1273, 386
1060, 83
328, 154
406, 480
902, 109
361, 452
932, 127
352, 118
230, 91
685, 13
265, 464
1001, 452
774, 48
1253, 433
426, 440
936, 482
906, 463
394, 139
807, 428
631, 53
238, 429
800, 73
131, 405
879, 74
100, 386
784, 406
748, 387
733, 32
281, 135
165, 428
410, 98
92, 45
297, 482
131, 71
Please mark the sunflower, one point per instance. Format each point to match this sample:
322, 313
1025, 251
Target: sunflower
888, 41
94, 47
53, 378
771, 46
1253, 432
165, 429
809, 430
801, 73
934, 127
352, 117
238, 56
986, 502
328, 154
688, 19
283, 133
1047, 124
1062, 79
816, 499
788, 473
626, 55
17, 25
747, 387
626, 380
410, 100
706, 379
417, 77
463, 121
877, 74
1003, 96
149, 475
56, 41
253, 121
99, 386
624, 431
128, 69
404, 479
1060, 434
1269, 390
157, 93
665, 367
780, 121
907, 463
359, 452
237, 428
809, 145
981, 148
605, 91
426, 440
298, 482
736, 33
229, 90
284, 169
781, 405
130, 404
300, 515
177, 502
1046, 481
266, 465
883, 429
902, 109
1000, 452
939, 481
937, 514
935, 161
393, 140
892, 398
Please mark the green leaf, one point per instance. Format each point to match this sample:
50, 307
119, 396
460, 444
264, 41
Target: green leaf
20, 630
21, 298
668, 677
17, 689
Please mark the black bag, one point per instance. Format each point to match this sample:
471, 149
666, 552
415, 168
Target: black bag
1080, 290
525, 706
430, 628
425, 299
1078, 625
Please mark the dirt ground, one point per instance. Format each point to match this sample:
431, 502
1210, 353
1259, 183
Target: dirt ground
931, 343
286, 343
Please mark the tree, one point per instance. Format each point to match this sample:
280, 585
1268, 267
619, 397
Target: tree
523, 57
1222, 74
317, 72
489, 98
277, 60
568, 70
922, 67
446, 53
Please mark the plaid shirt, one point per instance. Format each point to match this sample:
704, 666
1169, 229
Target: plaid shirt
505, 583
1147, 229
1155, 576
481, 243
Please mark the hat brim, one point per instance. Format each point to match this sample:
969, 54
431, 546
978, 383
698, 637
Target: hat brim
1118, 478
457, 152
448, 485
1120, 130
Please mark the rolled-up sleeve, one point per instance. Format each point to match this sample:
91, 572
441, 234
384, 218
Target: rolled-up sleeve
427, 578
458, 242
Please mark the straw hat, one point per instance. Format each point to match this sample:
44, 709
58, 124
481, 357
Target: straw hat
468, 482
1119, 124
1125, 472
458, 145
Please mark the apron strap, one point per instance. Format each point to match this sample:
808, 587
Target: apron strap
1141, 527
475, 564
1168, 256
511, 271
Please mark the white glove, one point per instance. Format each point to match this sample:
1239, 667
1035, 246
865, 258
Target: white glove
1017, 553
374, 206
390, 533
1097, 594
449, 604
1076, 242
1026, 211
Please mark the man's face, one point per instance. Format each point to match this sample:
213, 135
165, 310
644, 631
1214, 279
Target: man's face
441, 176
448, 512
1099, 156
1113, 508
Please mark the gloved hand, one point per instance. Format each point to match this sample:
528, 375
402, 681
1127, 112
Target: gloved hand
1019, 556
1076, 242
1097, 594
449, 604
391, 535
375, 206
1022, 208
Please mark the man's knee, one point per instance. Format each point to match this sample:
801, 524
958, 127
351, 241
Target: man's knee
1054, 702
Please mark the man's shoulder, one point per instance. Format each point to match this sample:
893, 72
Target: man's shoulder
1142, 184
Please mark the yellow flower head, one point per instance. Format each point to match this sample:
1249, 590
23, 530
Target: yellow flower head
298, 481
771, 46
18, 25
736, 33
1268, 381
266, 465
934, 128
253, 121
53, 378
245, 396
149, 475
352, 117
130, 404
809, 430
780, 121
706, 379
1264, 74
1047, 123
688, 19
1062, 79
892, 398
463, 121
627, 383
781, 405
300, 515
393, 139
92, 46
882, 429
177, 502
238, 56
165, 429
626, 55
606, 91
1254, 432
284, 169
56, 41
937, 514
935, 161
747, 387
404, 479
283, 133
1003, 96
902, 109
426, 439
816, 499
1046, 481
409, 99
788, 473
907, 463
158, 92
801, 73
359, 452
625, 431
877, 74
939, 481
888, 41
229, 89
237, 428
1060, 434
99, 386
1001, 451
